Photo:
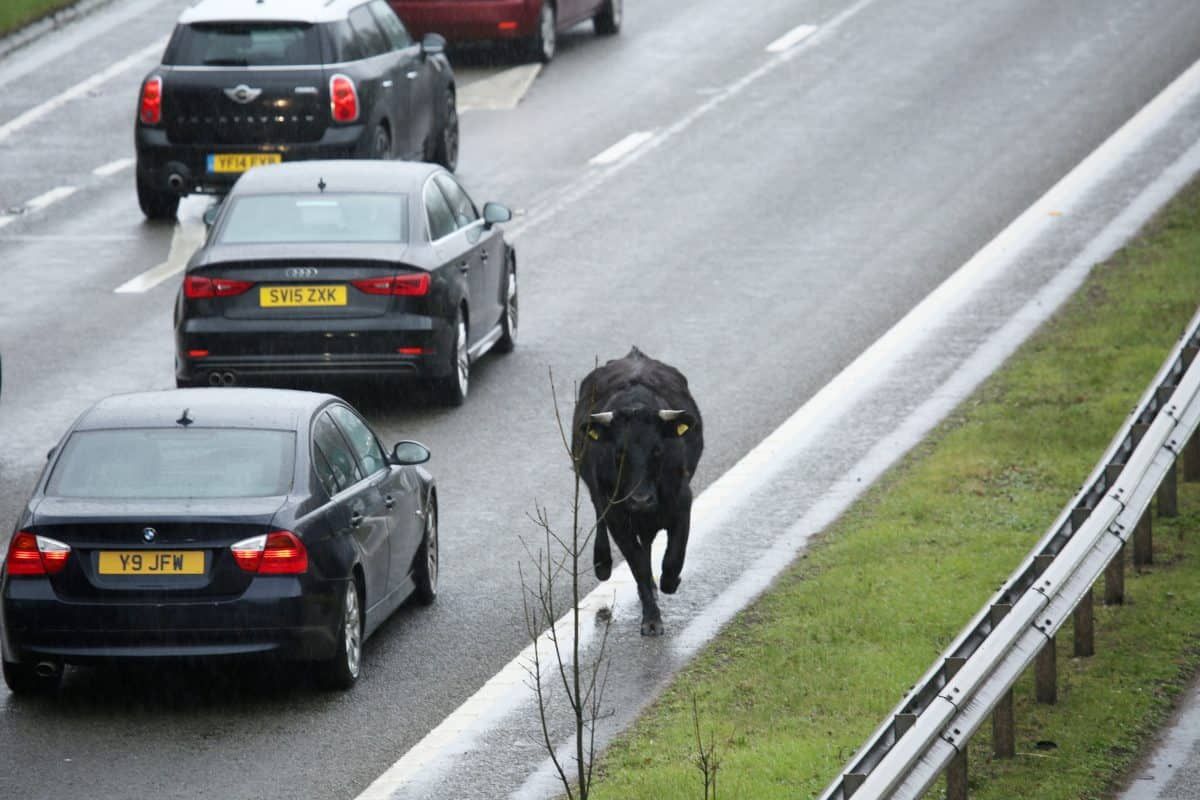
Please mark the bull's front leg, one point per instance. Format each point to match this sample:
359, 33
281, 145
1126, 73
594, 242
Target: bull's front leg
638, 559
601, 553
677, 539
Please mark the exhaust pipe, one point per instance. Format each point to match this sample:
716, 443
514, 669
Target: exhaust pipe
175, 182
46, 669
228, 379
214, 379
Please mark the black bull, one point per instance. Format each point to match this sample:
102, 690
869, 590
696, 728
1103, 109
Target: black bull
636, 438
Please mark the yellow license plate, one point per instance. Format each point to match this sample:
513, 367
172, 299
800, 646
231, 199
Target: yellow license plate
292, 296
240, 162
152, 562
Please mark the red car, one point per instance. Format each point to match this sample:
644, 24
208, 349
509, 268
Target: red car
532, 23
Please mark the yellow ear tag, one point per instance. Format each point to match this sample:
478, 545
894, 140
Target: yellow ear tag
592, 432
681, 429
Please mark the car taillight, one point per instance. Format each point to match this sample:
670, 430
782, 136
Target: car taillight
197, 287
414, 285
151, 107
36, 555
343, 99
275, 553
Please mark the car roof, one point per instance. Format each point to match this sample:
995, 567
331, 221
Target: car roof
225, 407
338, 175
268, 11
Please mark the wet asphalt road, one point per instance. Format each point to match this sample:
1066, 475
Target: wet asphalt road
788, 214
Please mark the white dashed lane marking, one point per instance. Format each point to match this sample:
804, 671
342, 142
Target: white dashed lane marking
622, 148
791, 38
112, 167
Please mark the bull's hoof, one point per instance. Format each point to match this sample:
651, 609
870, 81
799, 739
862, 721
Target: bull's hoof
652, 627
603, 569
669, 583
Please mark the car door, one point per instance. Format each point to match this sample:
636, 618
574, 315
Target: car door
452, 250
340, 472
387, 68
398, 488
418, 75
486, 252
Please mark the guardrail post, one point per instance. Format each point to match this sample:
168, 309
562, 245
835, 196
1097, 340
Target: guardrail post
1004, 729
851, 781
1114, 579
1045, 671
956, 770
1085, 626
1143, 540
1167, 497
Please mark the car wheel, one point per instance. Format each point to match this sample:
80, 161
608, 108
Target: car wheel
187, 383
446, 151
381, 143
545, 42
608, 21
425, 567
453, 388
157, 204
508, 322
342, 671
24, 678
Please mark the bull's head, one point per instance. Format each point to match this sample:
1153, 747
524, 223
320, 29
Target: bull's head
639, 452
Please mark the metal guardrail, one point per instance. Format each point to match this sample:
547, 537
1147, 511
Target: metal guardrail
931, 725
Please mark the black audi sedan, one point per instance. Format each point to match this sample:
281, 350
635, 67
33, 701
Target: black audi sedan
248, 82
360, 269
216, 523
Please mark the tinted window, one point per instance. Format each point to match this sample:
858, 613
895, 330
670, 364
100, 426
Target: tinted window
175, 463
342, 44
391, 24
441, 218
362, 441
369, 33
460, 205
325, 472
337, 453
277, 218
242, 44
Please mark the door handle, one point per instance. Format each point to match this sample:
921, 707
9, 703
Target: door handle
356, 519
411, 75
483, 254
464, 268
389, 501
387, 84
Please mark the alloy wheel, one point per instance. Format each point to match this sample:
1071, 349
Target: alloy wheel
352, 630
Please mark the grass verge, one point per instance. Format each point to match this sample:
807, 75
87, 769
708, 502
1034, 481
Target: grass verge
798, 681
15, 13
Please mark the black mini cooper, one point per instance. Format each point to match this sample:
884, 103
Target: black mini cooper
244, 83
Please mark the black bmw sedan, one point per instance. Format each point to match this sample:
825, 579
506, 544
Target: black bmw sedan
206, 523
361, 269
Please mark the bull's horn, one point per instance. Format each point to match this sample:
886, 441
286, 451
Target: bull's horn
603, 418
669, 415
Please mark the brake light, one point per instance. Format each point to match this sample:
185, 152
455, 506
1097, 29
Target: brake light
410, 285
151, 106
197, 287
343, 99
36, 555
275, 553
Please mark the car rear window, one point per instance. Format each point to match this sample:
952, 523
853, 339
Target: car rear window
175, 463
244, 44
282, 218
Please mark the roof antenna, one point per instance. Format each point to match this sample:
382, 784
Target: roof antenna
321, 184
184, 419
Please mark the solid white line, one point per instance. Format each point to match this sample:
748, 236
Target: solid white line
791, 38
52, 196
622, 148
722, 498
188, 235
112, 167
79, 89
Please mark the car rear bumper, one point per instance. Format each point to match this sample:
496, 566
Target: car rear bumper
475, 21
158, 159
278, 616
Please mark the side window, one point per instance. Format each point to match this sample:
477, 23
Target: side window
325, 472
341, 43
368, 32
337, 453
460, 205
441, 218
362, 441
391, 24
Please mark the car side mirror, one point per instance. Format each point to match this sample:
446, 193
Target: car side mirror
407, 454
494, 213
433, 44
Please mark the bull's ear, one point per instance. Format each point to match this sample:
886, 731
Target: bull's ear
677, 422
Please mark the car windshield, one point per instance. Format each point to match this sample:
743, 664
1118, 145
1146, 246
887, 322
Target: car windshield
277, 219
174, 463
240, 44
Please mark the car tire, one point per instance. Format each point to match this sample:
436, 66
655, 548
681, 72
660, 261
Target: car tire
342, 671
544, 42
425, 565
22, 679
445, 152
157, 204
188, 383
508, 319
381, 142
608, 21
452, 389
